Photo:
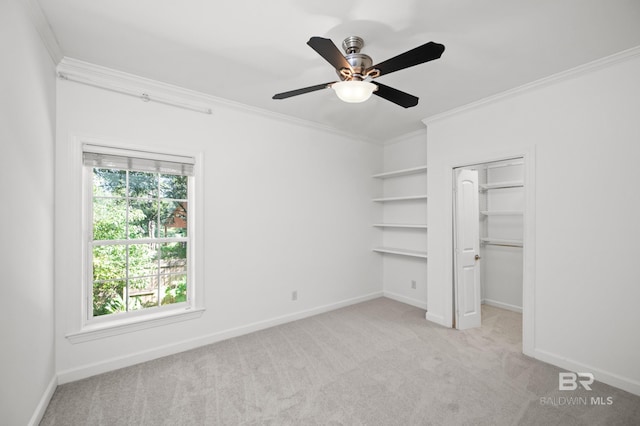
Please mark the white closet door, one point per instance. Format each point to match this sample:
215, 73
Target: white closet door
467, 249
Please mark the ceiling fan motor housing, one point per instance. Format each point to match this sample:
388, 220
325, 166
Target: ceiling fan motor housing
359, 62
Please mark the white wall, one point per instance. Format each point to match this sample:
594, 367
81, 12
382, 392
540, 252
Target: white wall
399, 271
286, 207
584, 132
27, 114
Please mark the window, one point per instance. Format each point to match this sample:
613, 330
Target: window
140, 224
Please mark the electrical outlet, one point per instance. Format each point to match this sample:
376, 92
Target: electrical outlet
413, 284
294, 295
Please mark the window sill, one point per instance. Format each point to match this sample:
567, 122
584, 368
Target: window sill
114, 328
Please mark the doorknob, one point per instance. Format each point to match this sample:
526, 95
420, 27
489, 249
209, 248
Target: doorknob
478, 257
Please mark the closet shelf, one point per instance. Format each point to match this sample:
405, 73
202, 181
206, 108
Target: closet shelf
501, 242
401, 252
403, 172
501, 213
407, 198
400, 225
501, 185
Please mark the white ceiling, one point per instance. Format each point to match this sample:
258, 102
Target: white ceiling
248, 50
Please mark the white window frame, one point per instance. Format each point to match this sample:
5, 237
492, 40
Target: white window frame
110, 325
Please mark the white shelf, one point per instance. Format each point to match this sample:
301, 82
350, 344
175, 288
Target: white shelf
502, 242
403, 172
400, 225
500, 185
401, 252
501, 213
407, 198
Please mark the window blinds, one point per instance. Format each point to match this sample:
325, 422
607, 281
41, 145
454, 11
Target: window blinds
142, 161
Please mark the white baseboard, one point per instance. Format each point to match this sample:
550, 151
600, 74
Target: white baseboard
501, 305
148, 355
404, 299
438, 319
44, 402
615, 380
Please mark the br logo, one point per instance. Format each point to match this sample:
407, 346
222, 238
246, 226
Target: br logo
569, 381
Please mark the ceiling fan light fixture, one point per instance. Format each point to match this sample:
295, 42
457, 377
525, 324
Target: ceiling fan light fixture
354, 91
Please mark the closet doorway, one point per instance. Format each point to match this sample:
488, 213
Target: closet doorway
488, 239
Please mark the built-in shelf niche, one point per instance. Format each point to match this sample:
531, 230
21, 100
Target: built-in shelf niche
418, 227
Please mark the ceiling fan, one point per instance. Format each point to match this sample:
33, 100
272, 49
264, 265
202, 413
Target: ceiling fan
356, 70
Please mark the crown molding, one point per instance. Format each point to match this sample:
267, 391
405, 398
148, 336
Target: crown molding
41, 24
148, 89
543, 82
401, 138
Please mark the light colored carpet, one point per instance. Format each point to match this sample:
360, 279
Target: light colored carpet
375, 363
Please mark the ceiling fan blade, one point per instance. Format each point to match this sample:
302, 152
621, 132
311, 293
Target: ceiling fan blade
396, 96
302, 91
329, 52
425, 53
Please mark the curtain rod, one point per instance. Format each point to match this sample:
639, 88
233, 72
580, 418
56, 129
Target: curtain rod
145, 97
